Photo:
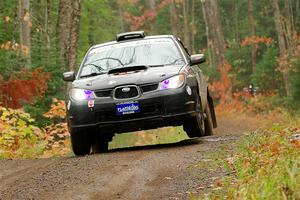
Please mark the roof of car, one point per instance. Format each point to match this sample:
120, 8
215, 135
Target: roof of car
135, 39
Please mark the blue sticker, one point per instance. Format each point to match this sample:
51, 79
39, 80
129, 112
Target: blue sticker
128, 108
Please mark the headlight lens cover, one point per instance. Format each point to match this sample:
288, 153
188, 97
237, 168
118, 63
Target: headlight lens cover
81, 94
173, 82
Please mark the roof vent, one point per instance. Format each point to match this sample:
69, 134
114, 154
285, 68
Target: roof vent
130, 35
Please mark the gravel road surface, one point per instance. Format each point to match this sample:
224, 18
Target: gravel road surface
168, 171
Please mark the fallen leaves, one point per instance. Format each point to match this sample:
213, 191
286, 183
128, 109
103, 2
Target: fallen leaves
267, 159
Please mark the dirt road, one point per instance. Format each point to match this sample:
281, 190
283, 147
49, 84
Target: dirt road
170, 171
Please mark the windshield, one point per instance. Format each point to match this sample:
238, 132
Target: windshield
149, 52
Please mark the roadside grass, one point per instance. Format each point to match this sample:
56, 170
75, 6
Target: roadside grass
266, 166
209, 171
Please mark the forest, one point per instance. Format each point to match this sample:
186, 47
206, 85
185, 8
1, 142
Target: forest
246, 42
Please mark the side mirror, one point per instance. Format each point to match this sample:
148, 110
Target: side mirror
197, 59
69, 76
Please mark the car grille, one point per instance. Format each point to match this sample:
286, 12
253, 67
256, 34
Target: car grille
126, 92
119, 94
103, 93
149, 87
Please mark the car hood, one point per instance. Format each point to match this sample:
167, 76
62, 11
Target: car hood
149, 75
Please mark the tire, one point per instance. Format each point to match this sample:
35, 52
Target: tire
208, 122
195, 126
81, 143
101, 143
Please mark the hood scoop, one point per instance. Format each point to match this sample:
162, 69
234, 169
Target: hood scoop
127, 70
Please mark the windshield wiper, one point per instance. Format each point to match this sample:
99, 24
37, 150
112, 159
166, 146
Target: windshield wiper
97, 66
174, 61
92, 74
108, 58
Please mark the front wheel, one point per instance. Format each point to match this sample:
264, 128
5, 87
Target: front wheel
80, 140
195, 126
101, 143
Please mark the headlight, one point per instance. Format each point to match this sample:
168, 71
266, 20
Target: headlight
173, 82
80, 94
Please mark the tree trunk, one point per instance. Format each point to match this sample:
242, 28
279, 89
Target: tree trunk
186, 35
121, 15
152, 5
236, 22
279, 28
174, 19
215, 35
252, 31
208, 36
63, 29
67, 29
91, 25
282, 46
216, 43
48, 23
74, 34
25, 31
193, 27
289, 28
219, 36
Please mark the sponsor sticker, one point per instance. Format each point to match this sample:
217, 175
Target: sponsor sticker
91, 103
128, 108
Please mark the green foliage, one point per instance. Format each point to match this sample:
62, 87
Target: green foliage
9, 58
241, 65
37, 110
295, 84
235, 23
267, 103
99, 23
18, 136
163, 22
266, 77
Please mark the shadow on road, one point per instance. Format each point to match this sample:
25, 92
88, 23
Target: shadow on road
186, 142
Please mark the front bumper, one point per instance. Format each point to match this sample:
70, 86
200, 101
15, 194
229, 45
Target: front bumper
158, 108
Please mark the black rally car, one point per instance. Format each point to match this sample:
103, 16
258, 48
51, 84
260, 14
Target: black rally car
136, 83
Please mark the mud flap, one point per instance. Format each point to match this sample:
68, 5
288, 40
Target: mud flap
212, 110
